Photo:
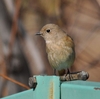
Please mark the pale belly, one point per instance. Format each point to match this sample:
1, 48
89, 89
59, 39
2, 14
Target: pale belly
61, 59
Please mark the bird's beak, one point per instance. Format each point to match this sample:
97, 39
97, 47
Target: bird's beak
38, 33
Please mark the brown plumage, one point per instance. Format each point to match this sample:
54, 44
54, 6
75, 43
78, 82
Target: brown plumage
59, 47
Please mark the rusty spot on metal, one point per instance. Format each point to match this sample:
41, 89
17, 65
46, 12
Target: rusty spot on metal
97, 88
51, 92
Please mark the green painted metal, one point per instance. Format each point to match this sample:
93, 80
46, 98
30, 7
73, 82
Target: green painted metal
80, 90
22, 95
50, 87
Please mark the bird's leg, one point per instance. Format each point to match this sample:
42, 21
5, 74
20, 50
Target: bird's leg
54, 71
68, 72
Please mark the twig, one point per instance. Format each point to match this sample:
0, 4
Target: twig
14, 81
80, 75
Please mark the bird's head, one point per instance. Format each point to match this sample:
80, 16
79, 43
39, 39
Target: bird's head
51, 32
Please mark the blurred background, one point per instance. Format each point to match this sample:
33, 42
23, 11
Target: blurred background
22, 53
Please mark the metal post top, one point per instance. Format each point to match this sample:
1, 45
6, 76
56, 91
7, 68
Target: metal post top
51, 87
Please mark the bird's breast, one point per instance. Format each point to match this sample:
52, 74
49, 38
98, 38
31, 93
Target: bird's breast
59, 55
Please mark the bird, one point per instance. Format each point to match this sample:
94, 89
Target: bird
59, 47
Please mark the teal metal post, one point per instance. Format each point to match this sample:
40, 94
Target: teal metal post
80, 90
22, 95
50, 87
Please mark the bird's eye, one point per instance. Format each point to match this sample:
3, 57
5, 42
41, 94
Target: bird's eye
48, 30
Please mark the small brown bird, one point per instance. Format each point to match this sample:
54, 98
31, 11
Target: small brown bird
59, 47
